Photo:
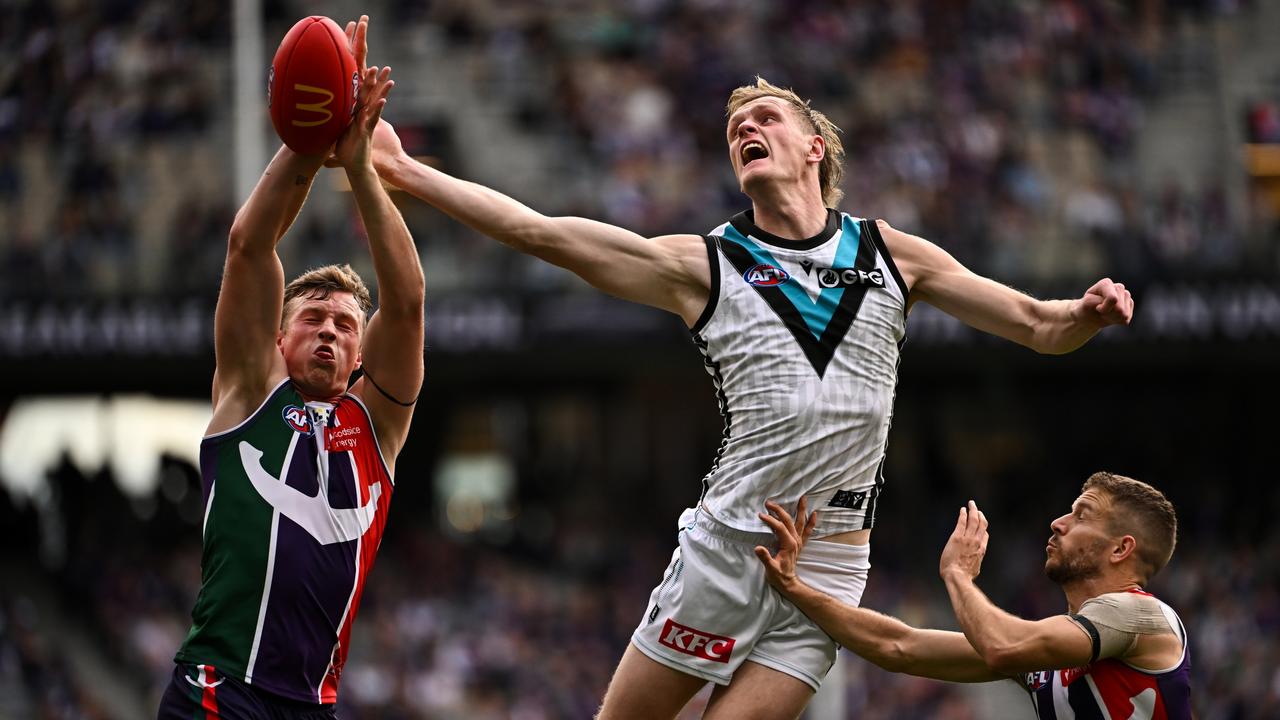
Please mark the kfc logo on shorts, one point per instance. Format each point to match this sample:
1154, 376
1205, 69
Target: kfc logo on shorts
715, 648
296, 418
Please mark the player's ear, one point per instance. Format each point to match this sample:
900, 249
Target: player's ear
1123, 548
817, 148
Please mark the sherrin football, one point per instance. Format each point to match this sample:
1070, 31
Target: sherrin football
311, 89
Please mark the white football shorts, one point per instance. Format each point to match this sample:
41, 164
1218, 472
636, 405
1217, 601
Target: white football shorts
714, 610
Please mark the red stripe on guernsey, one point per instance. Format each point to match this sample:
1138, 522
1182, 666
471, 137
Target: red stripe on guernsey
1139, 591
1125, 691
368, 465
209, 698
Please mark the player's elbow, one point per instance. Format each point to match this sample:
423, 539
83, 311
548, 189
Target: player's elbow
1006, 659
893, 655
531, 233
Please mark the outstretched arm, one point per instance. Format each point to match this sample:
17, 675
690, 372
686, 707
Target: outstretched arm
1005, 642
881, 639
669, 272
392, 349
1046, 326
249, 302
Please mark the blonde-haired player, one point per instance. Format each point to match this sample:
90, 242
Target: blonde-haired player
799, 311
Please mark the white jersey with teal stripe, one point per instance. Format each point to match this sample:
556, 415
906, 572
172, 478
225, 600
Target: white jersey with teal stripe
802, 339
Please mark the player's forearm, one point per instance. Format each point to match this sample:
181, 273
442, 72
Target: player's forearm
275, 201
994, 633
395, 257
1060, 328
889, 642
484, 210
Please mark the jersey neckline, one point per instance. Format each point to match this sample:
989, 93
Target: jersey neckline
745, 224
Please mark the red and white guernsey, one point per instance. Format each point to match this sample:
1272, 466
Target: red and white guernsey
296, 499
1110, 689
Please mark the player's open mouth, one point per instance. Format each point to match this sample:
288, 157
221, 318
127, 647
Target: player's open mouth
324, 352
751, 151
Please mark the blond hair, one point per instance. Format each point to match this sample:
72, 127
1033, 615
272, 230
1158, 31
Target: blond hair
1142, 511
831, 169
319, 283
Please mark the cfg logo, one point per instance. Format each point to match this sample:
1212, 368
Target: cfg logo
715, 648
296, 418
765, 275
849, 277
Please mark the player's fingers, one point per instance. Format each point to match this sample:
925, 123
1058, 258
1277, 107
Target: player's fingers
351, 35
982, 523
766, 558
375, 113
361, 41
780, 512
780, 529
971, 518
809, 525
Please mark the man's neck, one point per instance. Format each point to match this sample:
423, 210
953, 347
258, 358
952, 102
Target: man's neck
796, 215
1081, 592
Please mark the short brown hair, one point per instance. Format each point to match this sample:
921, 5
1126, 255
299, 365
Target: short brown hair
319, 283
1142, 511
831, 169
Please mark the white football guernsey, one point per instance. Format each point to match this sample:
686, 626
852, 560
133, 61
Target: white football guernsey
802, 339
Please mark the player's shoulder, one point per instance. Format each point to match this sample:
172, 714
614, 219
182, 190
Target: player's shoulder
1133, 611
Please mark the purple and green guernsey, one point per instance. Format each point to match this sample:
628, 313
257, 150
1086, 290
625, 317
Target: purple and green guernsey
295, 501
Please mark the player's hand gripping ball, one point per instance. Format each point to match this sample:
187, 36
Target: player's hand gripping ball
312, 86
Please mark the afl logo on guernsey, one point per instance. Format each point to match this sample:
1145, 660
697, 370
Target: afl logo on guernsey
763, 275
1036, 680
296, 418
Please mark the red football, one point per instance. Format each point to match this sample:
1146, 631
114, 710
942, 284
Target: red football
312, 87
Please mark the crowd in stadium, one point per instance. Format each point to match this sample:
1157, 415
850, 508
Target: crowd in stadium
456, 628
1003, 131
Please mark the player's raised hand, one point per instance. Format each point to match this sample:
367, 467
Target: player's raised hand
792, 534
354, 148
358, 42
386, 145
967, 544
1106, 303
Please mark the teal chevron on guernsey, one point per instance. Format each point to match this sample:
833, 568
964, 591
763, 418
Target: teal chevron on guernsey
817, 312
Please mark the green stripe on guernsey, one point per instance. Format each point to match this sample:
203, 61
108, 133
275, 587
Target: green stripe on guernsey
238, 537
816, 312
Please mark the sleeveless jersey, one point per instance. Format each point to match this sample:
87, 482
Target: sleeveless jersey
1112, 689
296, 499
802, 340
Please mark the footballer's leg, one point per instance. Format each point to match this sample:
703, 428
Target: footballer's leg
645, 689
759, 693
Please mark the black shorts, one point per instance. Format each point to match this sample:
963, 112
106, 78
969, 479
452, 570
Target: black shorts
199, 692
